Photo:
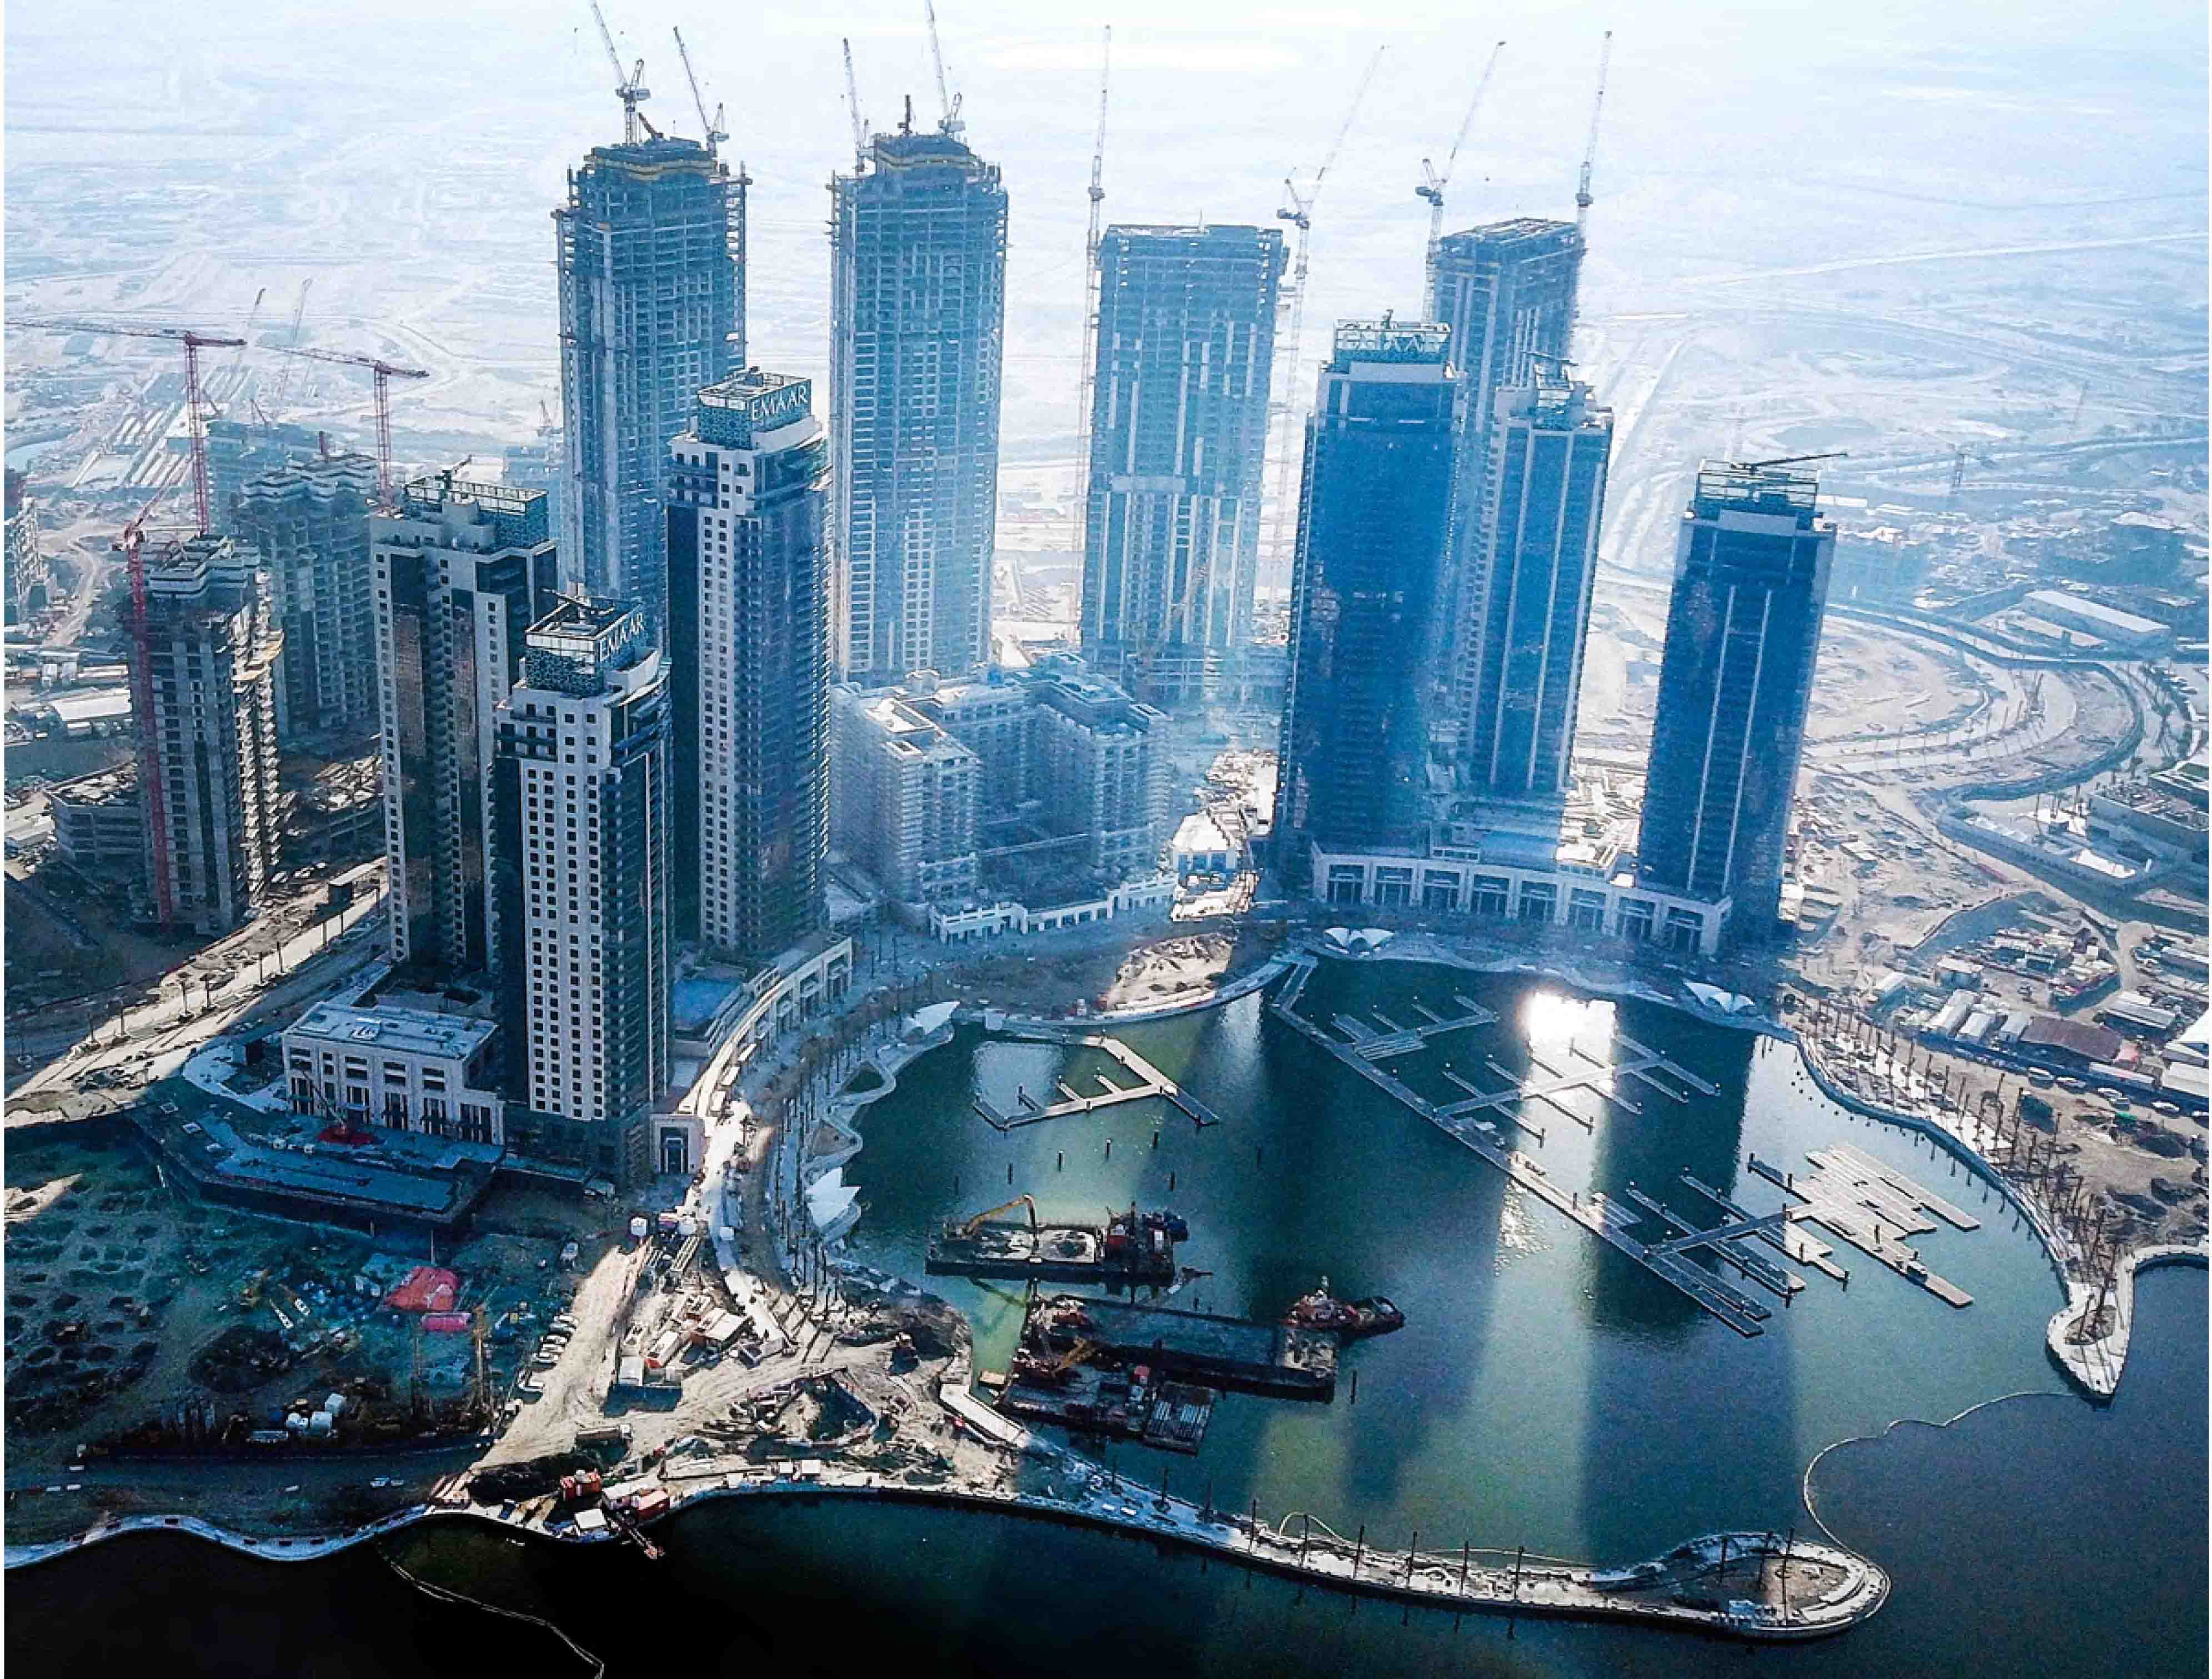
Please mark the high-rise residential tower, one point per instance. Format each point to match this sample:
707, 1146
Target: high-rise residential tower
749, 642
1178, 431
461, 573
1507, 292
650, 249
580, 869
917, 331
1528, 593
1735, 681
1373, 523
208, 753
309, 519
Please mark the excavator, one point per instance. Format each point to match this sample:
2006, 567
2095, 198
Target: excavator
989, 1212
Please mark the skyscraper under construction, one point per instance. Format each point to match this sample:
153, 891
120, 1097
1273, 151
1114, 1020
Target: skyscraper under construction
918, 288
651, 252
1178, 429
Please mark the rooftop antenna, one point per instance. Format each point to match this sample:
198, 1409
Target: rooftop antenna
950, 125
1433, 184
1091, 298
714, 131
853, 105
631, 89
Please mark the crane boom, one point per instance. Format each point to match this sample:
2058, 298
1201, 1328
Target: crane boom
630, 90
853, 105
711, 128
1583, 200
947, 101
1090, 283
1288, 345
1433, 185
385, 372
275, 411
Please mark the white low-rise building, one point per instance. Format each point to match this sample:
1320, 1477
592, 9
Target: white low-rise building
411, 1069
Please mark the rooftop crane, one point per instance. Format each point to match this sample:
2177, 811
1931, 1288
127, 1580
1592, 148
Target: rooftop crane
1091, 298
1583, 200
194, 341
714, 131
275, 408
853, 105
631, 89
949, 124
385, 372
1433, 185
1288, 349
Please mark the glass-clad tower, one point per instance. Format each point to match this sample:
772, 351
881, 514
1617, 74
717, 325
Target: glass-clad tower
1372, 526
1735, 681
650, 248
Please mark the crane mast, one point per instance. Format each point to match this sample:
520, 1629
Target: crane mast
631, 89
385, 372
1433, 185
1288, 349
1090, 299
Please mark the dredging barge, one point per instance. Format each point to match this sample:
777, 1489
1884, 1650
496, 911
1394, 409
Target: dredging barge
1278, 1361
1129, 1250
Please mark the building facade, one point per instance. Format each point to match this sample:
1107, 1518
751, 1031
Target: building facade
1374, 521
239, 450
1178, 433
917, 342
309, 521
460, 573
749, 641
1506, 293
1528, 593
581, 863
412, 1069
905, 797
27, 589
1736, 681
650, 249
207, 762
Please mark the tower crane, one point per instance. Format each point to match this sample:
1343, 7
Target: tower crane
631, 89
714, 131
275, 411
1091, 284
1433, 185
853, 105
1583, 200
194, 341
231, 368
1299, 213
949, 124
385, 372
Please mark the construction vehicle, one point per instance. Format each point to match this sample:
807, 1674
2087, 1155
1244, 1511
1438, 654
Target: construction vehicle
988, 1213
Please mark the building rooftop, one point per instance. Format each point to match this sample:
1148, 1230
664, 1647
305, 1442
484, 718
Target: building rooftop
2126, 623
1502, 237
385, 1027
1757, 487
732, 412
1387, 340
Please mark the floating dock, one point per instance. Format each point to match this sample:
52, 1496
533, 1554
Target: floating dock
1873, 1207
1235, 1354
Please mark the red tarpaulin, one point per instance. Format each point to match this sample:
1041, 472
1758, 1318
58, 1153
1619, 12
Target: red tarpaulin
426, 1289
446, 1323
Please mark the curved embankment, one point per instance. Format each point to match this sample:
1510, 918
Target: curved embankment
1850, 1588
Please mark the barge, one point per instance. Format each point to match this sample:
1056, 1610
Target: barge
1128, 1250
1279, 1361
1133, 1404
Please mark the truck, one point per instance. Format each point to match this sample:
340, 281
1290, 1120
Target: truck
613, 1433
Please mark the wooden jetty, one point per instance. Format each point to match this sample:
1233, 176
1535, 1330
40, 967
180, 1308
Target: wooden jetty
1871, 1206
1791, 1239
1150, 1082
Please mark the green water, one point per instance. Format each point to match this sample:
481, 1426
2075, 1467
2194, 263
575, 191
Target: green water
1547, 1391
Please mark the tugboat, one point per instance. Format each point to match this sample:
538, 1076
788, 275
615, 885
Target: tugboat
1349, 1320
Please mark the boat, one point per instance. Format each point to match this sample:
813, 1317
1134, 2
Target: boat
1349, 1320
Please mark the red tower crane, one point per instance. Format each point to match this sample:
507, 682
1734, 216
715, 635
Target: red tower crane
194, 341
385, 372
